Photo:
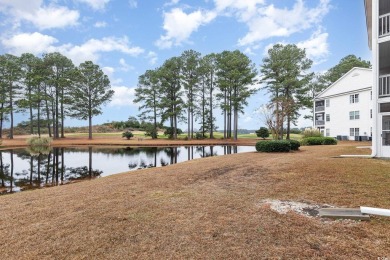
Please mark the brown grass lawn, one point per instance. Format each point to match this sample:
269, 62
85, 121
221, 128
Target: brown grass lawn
205, 209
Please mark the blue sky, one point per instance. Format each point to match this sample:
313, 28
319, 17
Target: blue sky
127, 37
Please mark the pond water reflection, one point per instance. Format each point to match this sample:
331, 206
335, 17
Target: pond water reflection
21, 169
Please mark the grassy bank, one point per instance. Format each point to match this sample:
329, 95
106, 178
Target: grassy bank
206, 208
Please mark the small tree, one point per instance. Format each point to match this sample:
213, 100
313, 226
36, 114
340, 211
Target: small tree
262, 132
128, 135
170, 132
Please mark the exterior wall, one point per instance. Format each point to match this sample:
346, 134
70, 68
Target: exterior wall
339, 110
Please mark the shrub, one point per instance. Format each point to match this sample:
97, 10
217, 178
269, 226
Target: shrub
294, 145
200, 136
127, 134
151, 131
262, 132
311, 132
169, 132
39, 141
318, 141
273, 146
329, 141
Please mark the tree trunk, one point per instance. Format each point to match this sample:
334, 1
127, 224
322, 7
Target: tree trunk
39, 119
62, 113
53, 112
90, 127
211, 109
56, 132
11, 130
31, 113
288, 127
225, 117
48, 117
189, 123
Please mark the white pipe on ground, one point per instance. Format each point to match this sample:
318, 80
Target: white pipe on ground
375, 211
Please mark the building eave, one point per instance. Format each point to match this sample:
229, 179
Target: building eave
368, 9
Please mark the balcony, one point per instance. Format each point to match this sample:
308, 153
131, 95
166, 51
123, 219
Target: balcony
384, 86
320, 108
320, 122
384, 25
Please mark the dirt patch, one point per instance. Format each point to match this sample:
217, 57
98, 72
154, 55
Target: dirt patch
303, 208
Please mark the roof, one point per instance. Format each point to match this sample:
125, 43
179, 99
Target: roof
355, 80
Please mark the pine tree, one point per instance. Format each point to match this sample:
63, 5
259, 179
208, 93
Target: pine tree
90, 90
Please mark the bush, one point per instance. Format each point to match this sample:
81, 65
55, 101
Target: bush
273, 146
262, 132
329, 141
200, 136
39, 141
169, 132
319, 141
127, 134
294, 145
151, 131
311, 132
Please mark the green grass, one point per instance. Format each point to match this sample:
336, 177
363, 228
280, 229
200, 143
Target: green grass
217, 135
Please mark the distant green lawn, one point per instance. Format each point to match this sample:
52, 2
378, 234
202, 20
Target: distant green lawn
140, 134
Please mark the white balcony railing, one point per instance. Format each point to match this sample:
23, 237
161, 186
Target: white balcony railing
384, 86
320, 108
320, 122
384, 25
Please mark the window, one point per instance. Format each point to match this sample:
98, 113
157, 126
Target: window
384, 107
327, 102
370, 113
354, 98
327, 117
354, 132
354, 115
327, 132
370, 95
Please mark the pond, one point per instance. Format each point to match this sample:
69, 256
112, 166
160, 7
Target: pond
22, 169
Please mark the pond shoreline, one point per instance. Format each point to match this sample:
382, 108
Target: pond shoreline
20, 142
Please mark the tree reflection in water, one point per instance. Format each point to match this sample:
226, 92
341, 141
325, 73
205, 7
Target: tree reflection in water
23, 169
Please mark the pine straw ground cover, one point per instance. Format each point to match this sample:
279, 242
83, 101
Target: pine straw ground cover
207, 208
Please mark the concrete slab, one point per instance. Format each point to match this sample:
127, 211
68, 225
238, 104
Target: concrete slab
343, 213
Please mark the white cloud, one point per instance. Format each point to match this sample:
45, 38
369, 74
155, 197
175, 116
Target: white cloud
152, 56
38, 43
133, 3
109, 71
123, 96
100, 24
179, 26
41, 16
172, 2
124, 65
244, 8
317, 47
95, 4
91, 49
270, 21
35, 43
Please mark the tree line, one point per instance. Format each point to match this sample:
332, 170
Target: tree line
188, 89
48, 89
285, 73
